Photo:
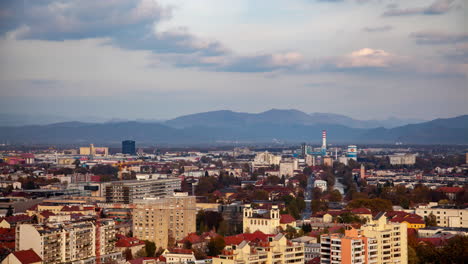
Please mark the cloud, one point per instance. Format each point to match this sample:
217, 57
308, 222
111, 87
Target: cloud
366, 58
129, 24
385, 28
438, 38
267, 62
436, 8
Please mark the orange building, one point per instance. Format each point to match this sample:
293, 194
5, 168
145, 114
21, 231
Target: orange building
350, 247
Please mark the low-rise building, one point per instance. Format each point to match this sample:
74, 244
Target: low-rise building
273, 250
446, 217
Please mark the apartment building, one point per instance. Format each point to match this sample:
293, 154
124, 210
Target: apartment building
391, 239
275, 250
164, 219
446, 217
348, 248
378, 241
128, 191
71, 242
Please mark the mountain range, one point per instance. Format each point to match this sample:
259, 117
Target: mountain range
286, 126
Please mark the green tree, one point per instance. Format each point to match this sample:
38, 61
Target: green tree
150, 248
10, 211
430, 220
456, 250
215, 246
335, 196
141, 253
375, 205
412, 256
128, 254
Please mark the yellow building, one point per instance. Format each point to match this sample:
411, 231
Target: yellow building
277, 250
68, 242
391, 239
163, 219
270, 222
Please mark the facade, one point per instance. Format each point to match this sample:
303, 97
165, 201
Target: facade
446, 217
320, 184
287, 168
94, 151
128, 191
328, 161
350, 247
311, 247
68, 242
392, 244
276, 250
266, 158
179, 256
164, 220
352, 152
406, 159
128, 147
268, 223
378, 241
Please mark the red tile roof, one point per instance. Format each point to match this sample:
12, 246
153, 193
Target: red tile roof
255, 236
361, 211
142, 260
27, 256
287, 219
16, 218
129, 242
450, 189
72, 208
180, 251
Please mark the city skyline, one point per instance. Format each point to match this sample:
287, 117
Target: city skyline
161, 59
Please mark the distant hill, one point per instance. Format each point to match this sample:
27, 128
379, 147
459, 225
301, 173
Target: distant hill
227, 118
227, 126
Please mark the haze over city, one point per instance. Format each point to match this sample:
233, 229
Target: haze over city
151, 59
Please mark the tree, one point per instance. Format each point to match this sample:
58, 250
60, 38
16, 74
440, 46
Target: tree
141, 253
307, 228
261, 195
335, 196
215, 246
77, 163
223, 228
10, 211
456, 250
430, 220
412, 256
150, 248
187, 244
128, 254
375, 205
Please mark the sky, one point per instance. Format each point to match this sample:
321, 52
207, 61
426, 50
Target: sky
158, 59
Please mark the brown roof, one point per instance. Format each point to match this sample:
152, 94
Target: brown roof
27, 256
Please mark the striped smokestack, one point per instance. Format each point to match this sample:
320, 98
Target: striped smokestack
324, 139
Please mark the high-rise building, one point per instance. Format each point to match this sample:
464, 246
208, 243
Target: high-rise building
69, 242
392, 243
128, 147
352, 152
348, 248
129, 190
378, 241
164, 220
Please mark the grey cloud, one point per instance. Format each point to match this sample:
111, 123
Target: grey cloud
438, 38
129, 24
385, 28
436, 8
